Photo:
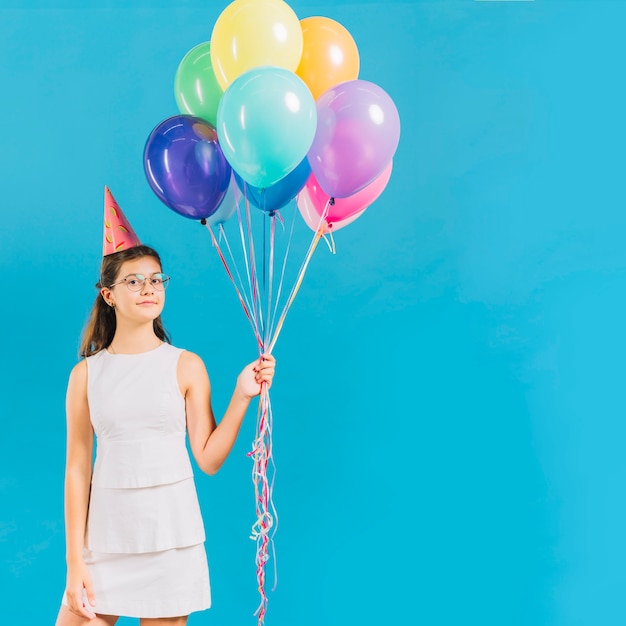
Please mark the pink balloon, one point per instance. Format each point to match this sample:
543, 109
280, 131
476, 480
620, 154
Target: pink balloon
358, 130
312, 219
316, 198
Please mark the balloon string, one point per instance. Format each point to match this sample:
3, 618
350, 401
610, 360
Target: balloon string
262, 446
253, 273
261, 455
272, 507
256, 305
264, 249
271, 277
330, 242
296, 287
264, 469
240, 282
247, 266
230, 275
282, 274
263, 265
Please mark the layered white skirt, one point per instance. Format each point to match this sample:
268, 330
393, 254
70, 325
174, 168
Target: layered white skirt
169, 583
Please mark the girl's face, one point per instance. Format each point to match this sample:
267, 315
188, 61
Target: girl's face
146, 303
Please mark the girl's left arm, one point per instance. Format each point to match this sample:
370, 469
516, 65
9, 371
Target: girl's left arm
211, 442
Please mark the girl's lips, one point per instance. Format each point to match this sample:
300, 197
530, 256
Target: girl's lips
145, 303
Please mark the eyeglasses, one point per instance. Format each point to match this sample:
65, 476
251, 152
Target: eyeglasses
136, 282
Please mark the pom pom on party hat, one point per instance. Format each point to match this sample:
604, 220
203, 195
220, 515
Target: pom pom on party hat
118, 233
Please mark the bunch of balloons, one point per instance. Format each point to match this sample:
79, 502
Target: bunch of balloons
271, 108
277, 101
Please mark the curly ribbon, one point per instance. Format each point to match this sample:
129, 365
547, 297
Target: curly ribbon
267, 519
266, 330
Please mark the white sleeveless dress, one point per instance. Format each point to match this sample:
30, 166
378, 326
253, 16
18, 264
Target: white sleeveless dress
144, 542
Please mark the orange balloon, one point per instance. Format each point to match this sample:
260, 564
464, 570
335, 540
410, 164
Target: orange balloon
329, 55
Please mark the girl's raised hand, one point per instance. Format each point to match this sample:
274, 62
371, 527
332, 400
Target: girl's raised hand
255, 374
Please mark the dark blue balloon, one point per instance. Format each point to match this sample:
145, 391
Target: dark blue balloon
185, 166
279, 194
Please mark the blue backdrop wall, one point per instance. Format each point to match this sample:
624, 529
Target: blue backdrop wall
448, 412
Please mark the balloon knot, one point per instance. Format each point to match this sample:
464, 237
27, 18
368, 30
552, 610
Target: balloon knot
332, 202
203, 222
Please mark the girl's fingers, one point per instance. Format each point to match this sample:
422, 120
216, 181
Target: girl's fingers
79, 609
265, 360
84, 612
91, 598
264, 369
76, 604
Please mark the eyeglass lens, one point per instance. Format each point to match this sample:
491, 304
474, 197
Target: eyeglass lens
135, 282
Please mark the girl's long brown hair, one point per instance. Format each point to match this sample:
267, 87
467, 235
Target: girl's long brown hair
100, 328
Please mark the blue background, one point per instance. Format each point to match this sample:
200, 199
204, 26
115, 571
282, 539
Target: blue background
449, 417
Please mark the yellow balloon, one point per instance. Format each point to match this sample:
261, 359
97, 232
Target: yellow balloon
253, 33
329, 57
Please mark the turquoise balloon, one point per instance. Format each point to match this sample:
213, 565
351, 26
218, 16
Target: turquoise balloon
266, 123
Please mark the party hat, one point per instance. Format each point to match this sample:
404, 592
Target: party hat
118, 233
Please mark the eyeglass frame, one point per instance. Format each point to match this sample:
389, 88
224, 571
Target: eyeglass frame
165, 279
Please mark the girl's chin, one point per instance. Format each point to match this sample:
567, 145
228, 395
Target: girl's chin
148, 312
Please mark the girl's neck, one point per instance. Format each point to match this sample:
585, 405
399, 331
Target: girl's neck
135, 341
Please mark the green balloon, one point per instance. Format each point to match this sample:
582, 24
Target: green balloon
196, 89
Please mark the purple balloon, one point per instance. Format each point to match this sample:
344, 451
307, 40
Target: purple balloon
185, 166
358, 129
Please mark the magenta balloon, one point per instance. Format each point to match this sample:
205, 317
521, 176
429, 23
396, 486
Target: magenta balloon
314, 199
312, 219
358, 129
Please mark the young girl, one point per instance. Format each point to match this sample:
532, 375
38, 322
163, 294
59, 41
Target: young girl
134, 533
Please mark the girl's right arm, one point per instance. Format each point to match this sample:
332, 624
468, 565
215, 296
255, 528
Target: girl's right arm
77, 484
